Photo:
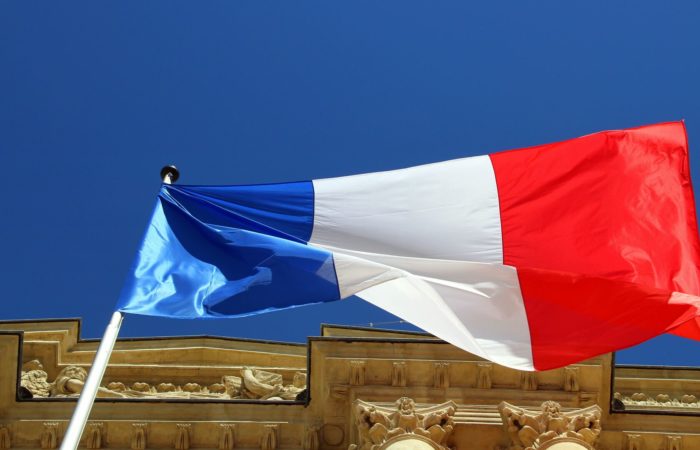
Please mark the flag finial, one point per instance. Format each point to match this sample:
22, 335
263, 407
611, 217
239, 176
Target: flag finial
169, 174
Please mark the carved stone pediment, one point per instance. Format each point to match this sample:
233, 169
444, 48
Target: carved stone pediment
381, 427
530, 430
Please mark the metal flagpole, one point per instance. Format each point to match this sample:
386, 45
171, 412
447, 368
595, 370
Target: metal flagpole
169, 174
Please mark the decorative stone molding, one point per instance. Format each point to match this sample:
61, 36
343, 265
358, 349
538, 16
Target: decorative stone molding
93, 438
528, 381
182, 437
483, 375
398, 374
138, 436
634, 441
571, 376
529, 430
311, 439
357, 373
441, 376
685, 401
5, 437
49, 435
674, 442
378, 427
268, 441
227, 436
252, 384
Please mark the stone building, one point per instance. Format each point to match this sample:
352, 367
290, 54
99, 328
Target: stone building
348, 389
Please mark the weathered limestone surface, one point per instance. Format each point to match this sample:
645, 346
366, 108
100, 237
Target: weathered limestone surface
351, 388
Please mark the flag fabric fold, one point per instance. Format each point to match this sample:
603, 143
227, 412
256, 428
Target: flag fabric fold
532, 258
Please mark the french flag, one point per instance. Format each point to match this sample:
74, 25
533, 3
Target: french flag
533, 258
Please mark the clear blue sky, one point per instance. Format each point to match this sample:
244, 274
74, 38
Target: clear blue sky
96, 96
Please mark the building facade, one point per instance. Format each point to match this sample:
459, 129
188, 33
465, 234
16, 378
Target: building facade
348, 389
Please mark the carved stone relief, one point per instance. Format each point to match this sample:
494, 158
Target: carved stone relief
252, 384
683, 401
529, 430
264, 385
377, 426
34, 378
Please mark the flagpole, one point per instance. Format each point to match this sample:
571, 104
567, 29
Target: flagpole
71, 440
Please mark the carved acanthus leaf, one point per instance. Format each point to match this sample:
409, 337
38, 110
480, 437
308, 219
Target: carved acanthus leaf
377, 425
528, 430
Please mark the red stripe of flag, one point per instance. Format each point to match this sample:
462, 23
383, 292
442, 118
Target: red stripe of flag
611, 206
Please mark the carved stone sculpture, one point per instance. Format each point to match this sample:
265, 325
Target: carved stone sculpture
70, 381
232, 384
216, 388
252, 384
377, 425
263, 385
35, 380
140, 386
192, 387
116, 386
684, 401
529, 430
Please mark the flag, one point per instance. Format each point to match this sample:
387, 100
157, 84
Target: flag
532, 258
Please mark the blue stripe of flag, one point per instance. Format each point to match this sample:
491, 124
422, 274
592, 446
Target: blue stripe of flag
229, 251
